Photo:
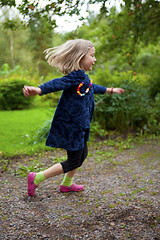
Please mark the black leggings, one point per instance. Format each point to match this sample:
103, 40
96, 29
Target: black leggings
75, 159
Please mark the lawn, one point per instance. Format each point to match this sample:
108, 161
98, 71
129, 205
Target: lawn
18, 127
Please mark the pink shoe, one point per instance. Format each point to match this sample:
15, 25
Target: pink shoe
31, 185
74, 188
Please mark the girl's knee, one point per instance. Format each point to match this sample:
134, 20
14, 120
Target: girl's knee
74, 166
67, 166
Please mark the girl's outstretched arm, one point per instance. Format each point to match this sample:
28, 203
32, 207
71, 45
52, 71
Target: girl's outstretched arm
114, 90
31, 91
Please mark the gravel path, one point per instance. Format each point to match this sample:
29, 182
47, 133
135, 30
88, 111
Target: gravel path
120, 200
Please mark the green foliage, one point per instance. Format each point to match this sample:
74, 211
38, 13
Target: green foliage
119, 36
35, 165
7, 3
96, 129
13, 47
40, 38
42, 133
18, 128
127, 111
147, 63
139, 20
25, 46
60, 7
13, 24
11, 95
135, 109
153, 124
6, 71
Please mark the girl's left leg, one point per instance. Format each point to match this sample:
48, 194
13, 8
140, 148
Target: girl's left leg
67, 184
76, 157
72, 173
68, 178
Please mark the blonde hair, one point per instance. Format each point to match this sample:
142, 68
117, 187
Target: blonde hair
66, 57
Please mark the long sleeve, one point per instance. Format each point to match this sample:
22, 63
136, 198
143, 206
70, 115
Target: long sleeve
66, 82
99, 89
57, 84
73, 115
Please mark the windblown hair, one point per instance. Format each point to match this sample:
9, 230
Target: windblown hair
66, 57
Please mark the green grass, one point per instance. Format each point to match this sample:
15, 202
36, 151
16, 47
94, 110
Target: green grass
18, 127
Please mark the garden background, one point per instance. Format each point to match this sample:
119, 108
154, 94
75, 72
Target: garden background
121, 173
128, 52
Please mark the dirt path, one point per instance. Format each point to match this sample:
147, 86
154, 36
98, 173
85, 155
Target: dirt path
120, 200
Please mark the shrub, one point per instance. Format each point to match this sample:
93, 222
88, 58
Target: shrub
148, 63
5, 71
153, 124
11, 95
42, 132
126, 111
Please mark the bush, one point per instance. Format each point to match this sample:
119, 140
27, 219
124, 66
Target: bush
42, 132
11, 95
6, 71
148, 63
130, 110
153, 123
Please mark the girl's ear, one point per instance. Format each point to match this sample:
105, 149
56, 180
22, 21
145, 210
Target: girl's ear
81, 63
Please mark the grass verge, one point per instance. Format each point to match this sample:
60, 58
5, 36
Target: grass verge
17, 129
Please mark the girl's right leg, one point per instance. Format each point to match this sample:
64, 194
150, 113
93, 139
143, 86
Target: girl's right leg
34, 179
75, 159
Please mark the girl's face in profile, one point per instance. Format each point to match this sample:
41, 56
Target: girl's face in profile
88, 60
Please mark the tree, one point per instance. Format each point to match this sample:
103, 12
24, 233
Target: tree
121, 33
13, 43
139, 19
37, 37
124, 33
48, 9
40, 38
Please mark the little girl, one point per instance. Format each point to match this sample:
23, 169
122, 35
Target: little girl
71, 123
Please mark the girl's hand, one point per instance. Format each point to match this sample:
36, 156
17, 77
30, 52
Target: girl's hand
31, 91
118, 90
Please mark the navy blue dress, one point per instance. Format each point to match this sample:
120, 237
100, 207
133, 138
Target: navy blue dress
71, 122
